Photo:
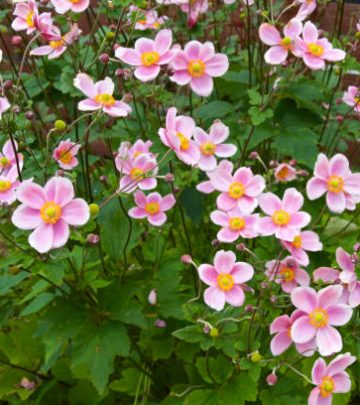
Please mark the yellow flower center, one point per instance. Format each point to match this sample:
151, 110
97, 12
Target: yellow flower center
208, 148
152, 208
281, 217
286, 43
225, 281
105, 99
297, 242
327, 386
237, 223
142, 22
75, 1
29, 19
4, 162
65, 157
56, 44
137, 153
5, 185
283, 173
50, 212
184, 142
150, 58
315, 49
196, 68
236, 190
287, 274
319, 318
156, 25
136, 173
335, 184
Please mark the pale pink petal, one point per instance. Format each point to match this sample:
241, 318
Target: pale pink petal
318, 371
181, 77
84, 83
225, 202
304, 298
328, 341
293, 28
144, 45
217, 65
208, 274
60, 190
292, 200
280, 343
214, 298
269, 35
157, 219
41, 239
224, 261
327, 274
76, 212
31, 194
266, 226
339, 314
88, 105
269, 203
329, 296
61, 234
219, 218
310, 32
340, 363
235, 296
352, 184
163, 41
335, 202
344, 260
226, 235
25, 217
334, 55
202, 86
301, 330
300, 219
137, 213
147, 73
275, 55
167, 202
342, 382
129, 56
280, 324
242, 272
339, 165
313, 62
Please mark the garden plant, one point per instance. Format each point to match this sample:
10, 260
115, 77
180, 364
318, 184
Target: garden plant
179, 190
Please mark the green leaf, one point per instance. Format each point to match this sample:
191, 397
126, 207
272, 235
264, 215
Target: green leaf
202, 397
8, 280
193, 203
41, 301
213, 109
238, 391
254, 96
191, 334
130, 383
258, 116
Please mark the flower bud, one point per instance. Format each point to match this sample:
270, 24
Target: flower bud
273, 163
169, 177
104, 58
354, 258
127, 98
93, 239
104, 179
303, 173
15, 109
29, 115
241, 247
119, 72
60, 173
214, 332
356, 247
160, 323
110, 36
339, 118
256, 357
8, 84
60, 125
254, 155
187, 259
128, 74
271, 379
357, 35
249, 308
273, 299
27, 384
215, 242
94, 209
264, 285
206, 329
292, 162
16, 40
152, 297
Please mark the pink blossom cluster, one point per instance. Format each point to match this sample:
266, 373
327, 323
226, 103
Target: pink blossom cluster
146, 19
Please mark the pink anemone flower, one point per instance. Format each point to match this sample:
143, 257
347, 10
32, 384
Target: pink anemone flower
8, 157
211, 145
65, 154
177, 135
206, 187
100, 96
152, 207
146, 19
280, 47
4, 105
234, 224
26, 14
225, 278
77, 6
127, 151
315, 51
8, 185
58, 43
284, 216
149, 55
334, 178
240, 189
196, 65
284, 173
347, 277
306, 8
287, 273
329, 379
352, 98
139, 172
281, 327
322, 313
306, 240
193, 9
49, 210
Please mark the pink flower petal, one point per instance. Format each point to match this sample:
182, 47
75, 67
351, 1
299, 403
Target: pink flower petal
217, 65
242, 272
41, 239
61, 234
76, 212
269, 35
84, 83
147, 73
235, 296
269, 203
31, 194
275, 55
25, 217
280, 343
214, 298
335, 202
202, 86
59, 190
224, 261
163, 41
302, 331
157, 219
129, 56
328, 341
304, 298
340, 363
318, 371
292, 200
339, 314
310, 33
208, 274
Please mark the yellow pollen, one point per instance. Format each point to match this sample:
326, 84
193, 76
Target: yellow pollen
297, 242
281, 217
315, 49
152, 208
208, 148
327, 386
319, 318
56, 44
136, 173
196, 68
105, 99
5, 185
287, 274
30, 20
75, 1
237, 223
4, 162
184, 142
335, 184
286, 43
236, 190
150, 58
156, 25
65, 157
50, 212
137, 153
283, 173
142, 22
225, 281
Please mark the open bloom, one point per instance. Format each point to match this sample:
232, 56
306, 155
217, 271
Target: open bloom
322, 312
287, 273
284, 173
8, 185
211, 145
100, 96
329, 379
315, 51
149, 55
8, 157
281, 327
178, 134
77, 6
334, 178
352, 98
306, 240
65, 154
225, 279
146, 19
138, 172
196, 65
239, 189
206, 187
234, 224
49, 210
284, 217
127, 151
152, 207
193, 9
280, 47
27, 18
347, 277
4, 105
58, 43
306, 8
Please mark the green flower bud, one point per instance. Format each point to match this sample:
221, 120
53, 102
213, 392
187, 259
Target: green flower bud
94, 209
214, 332
256, 357
60, 125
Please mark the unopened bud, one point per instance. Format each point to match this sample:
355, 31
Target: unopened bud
94, 209
292, 162
152, 297
169, 177
93, 238
241, 247
356, 247
273, 299
127, 98
128, 74
8, 84
110, 36
119, 72
206, 328
60, 173
249, 308
339, 118
254, 155
29, 115
273, 163
271, 379
264, 285
354, 258
160, 323
303, 173
104, 179
214, 332
60, 125
16, 40
16, 109
256, 357
215, 242
187, 259
104, 58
